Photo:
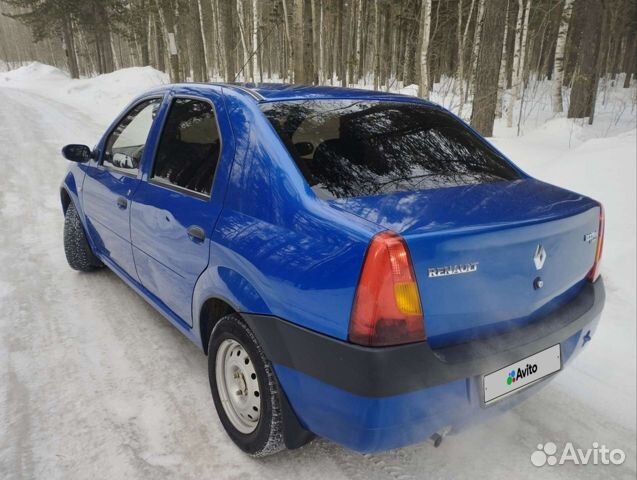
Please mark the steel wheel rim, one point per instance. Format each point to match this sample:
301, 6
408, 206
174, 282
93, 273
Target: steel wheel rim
238, 386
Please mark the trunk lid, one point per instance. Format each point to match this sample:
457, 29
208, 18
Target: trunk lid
480, 244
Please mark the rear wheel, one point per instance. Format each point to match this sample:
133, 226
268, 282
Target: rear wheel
244, 388
78, 252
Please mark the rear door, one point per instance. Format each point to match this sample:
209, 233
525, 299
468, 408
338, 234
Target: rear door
110, 184
176, 204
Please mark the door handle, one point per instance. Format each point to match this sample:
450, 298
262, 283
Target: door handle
122, 203
196, 233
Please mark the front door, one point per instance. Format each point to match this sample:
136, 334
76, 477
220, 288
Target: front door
110, 184
175, 208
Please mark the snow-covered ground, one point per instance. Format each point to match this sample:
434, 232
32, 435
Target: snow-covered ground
95, 384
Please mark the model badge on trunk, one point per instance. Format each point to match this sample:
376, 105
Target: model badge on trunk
590, 237
453, 270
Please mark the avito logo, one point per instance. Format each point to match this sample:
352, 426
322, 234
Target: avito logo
520, 374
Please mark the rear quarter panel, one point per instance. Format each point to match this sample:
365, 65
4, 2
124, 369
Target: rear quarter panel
276, 248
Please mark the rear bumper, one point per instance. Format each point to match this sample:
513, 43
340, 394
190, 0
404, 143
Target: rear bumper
380, 398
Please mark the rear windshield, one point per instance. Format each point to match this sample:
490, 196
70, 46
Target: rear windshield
347, 148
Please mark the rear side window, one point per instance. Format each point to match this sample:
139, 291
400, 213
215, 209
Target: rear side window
125, 145
189, 147
347, 148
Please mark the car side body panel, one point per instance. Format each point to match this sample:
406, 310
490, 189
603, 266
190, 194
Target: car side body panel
161, 217
290, 255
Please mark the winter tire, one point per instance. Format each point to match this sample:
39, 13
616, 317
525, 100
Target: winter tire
76, 247
244, 388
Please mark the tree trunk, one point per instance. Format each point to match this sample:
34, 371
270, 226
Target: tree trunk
167, 16
204, 43
226, 14
477, 37
462, 42
425, 25
631, 60
244, 42
297, 24
344, 43
515, 73
256, 67
198, 42
68, 43
321, 40
377, 40
587, 37
358, 46
145, 42
502, 76
315, 41
308, 44
159, 46
288, 41
488, 67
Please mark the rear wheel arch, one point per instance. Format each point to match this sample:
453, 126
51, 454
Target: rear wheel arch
212, 310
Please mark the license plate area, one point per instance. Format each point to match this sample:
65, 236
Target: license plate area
525, 372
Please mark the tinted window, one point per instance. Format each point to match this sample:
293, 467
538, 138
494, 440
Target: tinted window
189, 147
125, 146
350, 148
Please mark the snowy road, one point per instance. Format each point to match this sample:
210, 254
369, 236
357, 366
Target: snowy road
95, 384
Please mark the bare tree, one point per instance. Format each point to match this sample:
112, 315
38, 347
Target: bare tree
425, 26
462, 42
488, 68
588, 34
558, 63
502, 78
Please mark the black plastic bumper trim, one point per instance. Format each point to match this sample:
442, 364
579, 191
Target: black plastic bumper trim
386, 371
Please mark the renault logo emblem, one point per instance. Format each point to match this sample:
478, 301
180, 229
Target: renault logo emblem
540, 257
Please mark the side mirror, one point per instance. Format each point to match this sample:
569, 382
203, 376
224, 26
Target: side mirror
77, 153
304, 148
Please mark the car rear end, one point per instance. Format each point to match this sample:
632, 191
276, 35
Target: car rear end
482, 284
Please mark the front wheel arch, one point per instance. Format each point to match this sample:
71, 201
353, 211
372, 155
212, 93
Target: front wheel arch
65, 199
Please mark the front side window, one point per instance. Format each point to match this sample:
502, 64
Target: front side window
189, 147
351, 148
125, 146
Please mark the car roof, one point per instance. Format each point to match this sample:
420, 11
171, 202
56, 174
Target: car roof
271, 92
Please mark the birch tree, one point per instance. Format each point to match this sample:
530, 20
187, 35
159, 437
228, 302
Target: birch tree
502, 77
462, 42
425, 21
558, 62
244, 41
477, 35
516, 75
255, 42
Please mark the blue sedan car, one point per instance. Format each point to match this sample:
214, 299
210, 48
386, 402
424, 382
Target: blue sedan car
357, 265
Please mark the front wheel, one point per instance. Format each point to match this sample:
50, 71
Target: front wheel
76, 248
244, 388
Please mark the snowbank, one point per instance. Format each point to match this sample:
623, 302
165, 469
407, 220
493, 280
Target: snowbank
103, 96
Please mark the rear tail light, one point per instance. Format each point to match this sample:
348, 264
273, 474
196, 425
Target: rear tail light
593, 274
387, 308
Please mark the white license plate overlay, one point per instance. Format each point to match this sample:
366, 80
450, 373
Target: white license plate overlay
521, 374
